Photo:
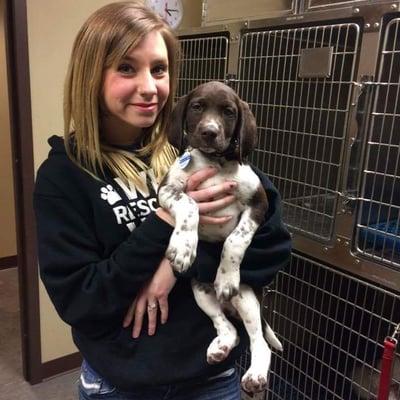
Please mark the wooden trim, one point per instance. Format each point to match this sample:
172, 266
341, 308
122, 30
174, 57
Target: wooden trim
8, 262
61, 365
23, 167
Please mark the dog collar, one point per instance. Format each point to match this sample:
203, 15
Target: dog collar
184, 159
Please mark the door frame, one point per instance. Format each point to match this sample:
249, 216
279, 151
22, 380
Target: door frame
17, 61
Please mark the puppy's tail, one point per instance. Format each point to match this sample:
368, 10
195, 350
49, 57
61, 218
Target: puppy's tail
271, 338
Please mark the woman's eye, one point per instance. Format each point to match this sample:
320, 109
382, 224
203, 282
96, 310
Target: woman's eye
160, 69
125, 69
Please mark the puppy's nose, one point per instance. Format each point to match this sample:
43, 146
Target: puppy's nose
209, 133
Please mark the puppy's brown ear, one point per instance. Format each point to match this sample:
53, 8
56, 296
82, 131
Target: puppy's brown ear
246, 130
176, 124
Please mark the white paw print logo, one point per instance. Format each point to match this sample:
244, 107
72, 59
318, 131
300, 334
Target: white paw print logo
108, 193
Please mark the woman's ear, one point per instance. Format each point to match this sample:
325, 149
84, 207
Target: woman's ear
176, 124
246, 130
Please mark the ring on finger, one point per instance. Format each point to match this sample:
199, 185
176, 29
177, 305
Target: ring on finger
151, 306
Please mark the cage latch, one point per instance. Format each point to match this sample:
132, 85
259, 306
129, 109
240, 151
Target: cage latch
366, 81
231, 80
386, 365
357, 92
347, 197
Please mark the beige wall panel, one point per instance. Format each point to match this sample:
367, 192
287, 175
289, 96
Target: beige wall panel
8, 245
191, 14
52, 26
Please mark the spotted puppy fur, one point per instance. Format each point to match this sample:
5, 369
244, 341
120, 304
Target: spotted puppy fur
218, 130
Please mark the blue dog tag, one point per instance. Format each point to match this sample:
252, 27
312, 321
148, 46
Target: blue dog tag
184, 160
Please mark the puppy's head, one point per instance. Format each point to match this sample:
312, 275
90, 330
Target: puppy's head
214, 120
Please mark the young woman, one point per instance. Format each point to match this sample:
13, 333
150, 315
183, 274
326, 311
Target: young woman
102, 237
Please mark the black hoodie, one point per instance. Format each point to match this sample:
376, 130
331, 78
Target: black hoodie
100, 241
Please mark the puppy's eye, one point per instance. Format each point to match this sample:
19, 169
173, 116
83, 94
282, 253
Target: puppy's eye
229, 112
196, 107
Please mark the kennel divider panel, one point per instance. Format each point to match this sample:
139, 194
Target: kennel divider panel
302, 122
377, 233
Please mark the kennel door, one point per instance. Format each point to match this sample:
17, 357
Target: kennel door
332, 327
378, 219
302, 115
203, 59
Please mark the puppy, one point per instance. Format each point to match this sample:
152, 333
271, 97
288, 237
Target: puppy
218, 129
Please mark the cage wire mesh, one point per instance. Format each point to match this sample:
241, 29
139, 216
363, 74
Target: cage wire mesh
301, 120
203, 59
378, 227
332, 327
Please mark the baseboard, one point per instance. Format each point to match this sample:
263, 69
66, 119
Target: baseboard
8, 262
61, 365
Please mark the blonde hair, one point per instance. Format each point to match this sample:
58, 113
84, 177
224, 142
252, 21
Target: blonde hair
104, 39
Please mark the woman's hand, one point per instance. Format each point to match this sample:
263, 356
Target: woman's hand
152, 297
210, 199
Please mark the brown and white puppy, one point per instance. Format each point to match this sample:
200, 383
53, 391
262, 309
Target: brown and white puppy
218, 129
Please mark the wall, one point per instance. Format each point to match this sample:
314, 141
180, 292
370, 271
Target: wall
52, 26
191, 14
51, 30
8, 246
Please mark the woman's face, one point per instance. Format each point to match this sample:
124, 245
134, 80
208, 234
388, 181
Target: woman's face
135, 90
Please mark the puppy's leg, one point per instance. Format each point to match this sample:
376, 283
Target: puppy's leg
183, 242
248, 307
227, 337
228, 275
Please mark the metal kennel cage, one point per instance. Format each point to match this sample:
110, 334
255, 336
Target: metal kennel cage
324, 87
302, 116
332, 327
203, 58
313, 87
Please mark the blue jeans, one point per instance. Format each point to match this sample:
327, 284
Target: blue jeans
93, 386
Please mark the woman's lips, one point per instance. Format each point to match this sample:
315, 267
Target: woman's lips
146, 107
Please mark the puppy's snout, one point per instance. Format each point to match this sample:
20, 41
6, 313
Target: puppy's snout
209, 133
209, 130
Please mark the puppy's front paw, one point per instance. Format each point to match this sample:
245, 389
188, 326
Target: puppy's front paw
226, 284
182, 249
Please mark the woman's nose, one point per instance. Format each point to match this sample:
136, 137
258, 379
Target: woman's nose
147, 84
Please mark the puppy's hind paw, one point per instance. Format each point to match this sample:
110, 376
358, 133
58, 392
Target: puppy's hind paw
220, 348
254, 382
